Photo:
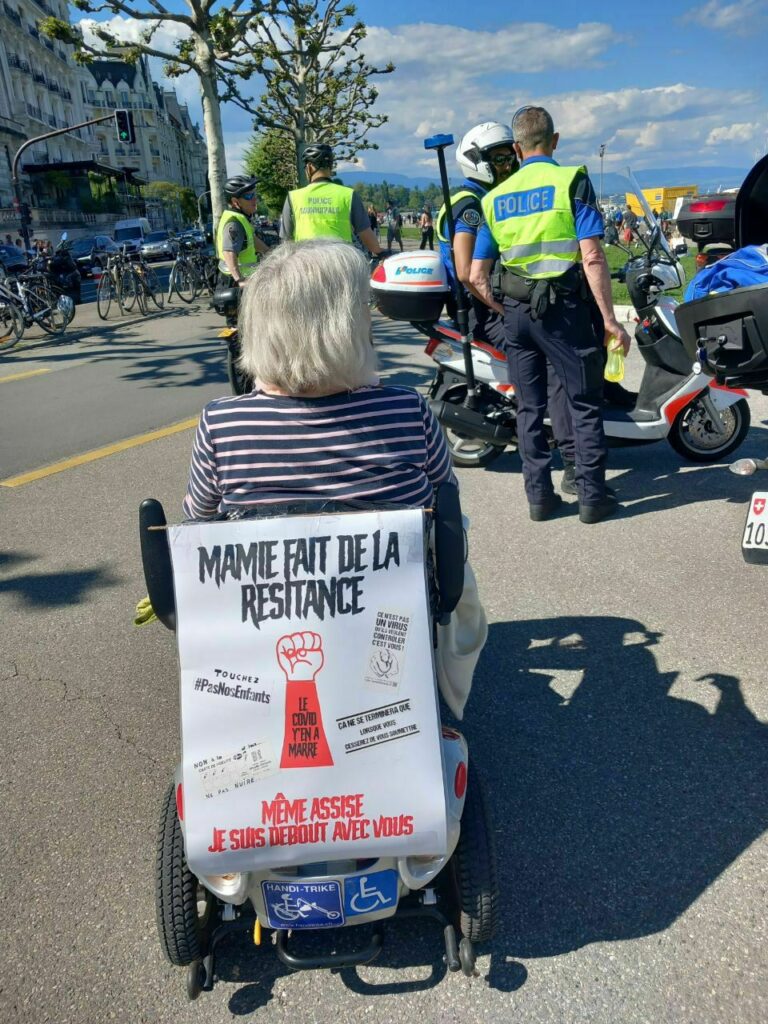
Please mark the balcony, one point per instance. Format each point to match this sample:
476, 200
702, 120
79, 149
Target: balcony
39, 78
54, 86
14, 16
35, 112
66, 94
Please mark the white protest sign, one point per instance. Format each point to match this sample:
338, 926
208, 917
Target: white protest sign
310, 728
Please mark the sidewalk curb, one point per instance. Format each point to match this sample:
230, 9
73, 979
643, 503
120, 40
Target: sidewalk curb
625, 314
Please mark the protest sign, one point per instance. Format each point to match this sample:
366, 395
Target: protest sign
310, 729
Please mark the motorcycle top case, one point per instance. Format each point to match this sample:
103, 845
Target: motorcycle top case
731, 327
411, 286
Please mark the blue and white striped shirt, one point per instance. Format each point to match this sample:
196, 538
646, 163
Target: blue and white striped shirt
373, 444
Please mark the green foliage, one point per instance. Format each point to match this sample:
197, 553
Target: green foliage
169, 192
404, 198
318, 85
271, 157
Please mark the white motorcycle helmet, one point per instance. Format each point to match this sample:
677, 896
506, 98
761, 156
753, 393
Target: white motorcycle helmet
472, 150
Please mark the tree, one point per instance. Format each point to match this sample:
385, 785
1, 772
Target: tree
170, 193
318, 86
212, 46
271, 158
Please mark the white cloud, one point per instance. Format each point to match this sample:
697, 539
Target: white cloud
744, 132
517, 47
736, 18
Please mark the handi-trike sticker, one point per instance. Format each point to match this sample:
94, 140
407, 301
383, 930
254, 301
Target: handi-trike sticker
303, 904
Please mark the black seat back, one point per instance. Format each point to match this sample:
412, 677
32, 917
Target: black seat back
450, 550
156, 560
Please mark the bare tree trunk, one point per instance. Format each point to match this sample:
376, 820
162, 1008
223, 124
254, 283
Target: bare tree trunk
214, 137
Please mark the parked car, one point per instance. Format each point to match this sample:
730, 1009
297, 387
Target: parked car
709, 218
192, 236
90, 253
13, 259
158, 245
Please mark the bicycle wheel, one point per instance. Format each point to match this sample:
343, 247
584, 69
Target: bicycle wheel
104, 295
184, 282
45, 311
211, 275
153, 289
11, 325
129, 289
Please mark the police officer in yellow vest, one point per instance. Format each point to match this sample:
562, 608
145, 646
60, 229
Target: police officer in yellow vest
546, 228
323, 209
237, 246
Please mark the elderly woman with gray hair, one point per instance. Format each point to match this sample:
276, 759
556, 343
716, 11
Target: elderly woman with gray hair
318, 423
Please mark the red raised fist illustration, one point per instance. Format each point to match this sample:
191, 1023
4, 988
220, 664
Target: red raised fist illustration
300, 655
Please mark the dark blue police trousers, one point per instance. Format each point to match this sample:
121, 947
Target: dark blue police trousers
564, 338
487, 325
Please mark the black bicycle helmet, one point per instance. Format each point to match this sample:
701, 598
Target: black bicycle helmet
239, 185
319, 155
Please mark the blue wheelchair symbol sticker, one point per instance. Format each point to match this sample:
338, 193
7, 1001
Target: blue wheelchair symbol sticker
369, 893
303, 904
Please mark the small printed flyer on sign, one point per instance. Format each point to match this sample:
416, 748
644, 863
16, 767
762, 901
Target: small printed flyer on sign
310, 728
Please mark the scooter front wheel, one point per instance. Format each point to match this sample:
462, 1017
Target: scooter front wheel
468, 452
694, 436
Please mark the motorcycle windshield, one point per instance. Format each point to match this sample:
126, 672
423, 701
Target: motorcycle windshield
662, 243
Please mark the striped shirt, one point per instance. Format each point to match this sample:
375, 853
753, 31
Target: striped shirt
373, 444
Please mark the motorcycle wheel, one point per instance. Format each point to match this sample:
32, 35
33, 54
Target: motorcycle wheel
468, 452
240, 383
694, 437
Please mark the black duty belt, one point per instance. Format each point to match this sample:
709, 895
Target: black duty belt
544, 292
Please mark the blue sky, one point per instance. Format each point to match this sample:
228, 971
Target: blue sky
662, 84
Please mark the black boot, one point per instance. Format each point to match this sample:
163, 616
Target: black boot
543, 510
568, 482
596, 513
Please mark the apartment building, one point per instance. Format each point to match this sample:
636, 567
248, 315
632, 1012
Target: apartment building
39, 90
168, 147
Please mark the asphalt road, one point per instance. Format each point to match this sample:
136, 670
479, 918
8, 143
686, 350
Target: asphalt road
619, 717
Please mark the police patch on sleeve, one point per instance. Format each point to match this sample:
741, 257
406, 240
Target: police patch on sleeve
471, 217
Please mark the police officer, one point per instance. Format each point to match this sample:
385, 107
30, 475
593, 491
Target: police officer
237, 246
323, 209
547, 229
487, 157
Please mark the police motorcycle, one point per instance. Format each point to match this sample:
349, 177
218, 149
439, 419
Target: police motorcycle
278, 903
726, 333
226, 302
701, 420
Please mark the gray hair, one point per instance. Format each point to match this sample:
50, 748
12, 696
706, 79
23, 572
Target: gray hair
304, 318
533, 127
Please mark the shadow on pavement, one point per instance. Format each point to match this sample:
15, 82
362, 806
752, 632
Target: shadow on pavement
52, 589
615, 804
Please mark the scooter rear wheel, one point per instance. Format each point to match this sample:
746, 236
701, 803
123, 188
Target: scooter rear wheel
469, 452
473, 867
185, 910
694, 437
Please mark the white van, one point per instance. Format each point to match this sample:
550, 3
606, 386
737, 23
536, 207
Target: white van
132, 233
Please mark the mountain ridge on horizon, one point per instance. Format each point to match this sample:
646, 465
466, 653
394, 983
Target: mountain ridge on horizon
706, 178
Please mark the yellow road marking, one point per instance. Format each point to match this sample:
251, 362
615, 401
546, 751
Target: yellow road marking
98, 453
21, 376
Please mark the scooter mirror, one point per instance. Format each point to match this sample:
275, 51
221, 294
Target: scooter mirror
743, 467
64, 236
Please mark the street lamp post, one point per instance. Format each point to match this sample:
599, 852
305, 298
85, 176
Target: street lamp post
199, 208
602, 154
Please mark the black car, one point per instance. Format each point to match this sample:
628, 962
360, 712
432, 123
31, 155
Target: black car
709, 219
13, 259
90, 253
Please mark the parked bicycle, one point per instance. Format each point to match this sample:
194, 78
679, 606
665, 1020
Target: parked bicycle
129, 281
193, 272
28, 300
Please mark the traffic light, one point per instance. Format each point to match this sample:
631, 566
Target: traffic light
124, 127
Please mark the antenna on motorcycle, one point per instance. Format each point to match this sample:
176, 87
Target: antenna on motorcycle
439, 143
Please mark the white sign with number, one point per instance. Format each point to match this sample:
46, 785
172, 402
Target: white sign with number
310, 728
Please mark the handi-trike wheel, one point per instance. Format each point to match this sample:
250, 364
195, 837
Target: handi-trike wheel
473, 871
185, 910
